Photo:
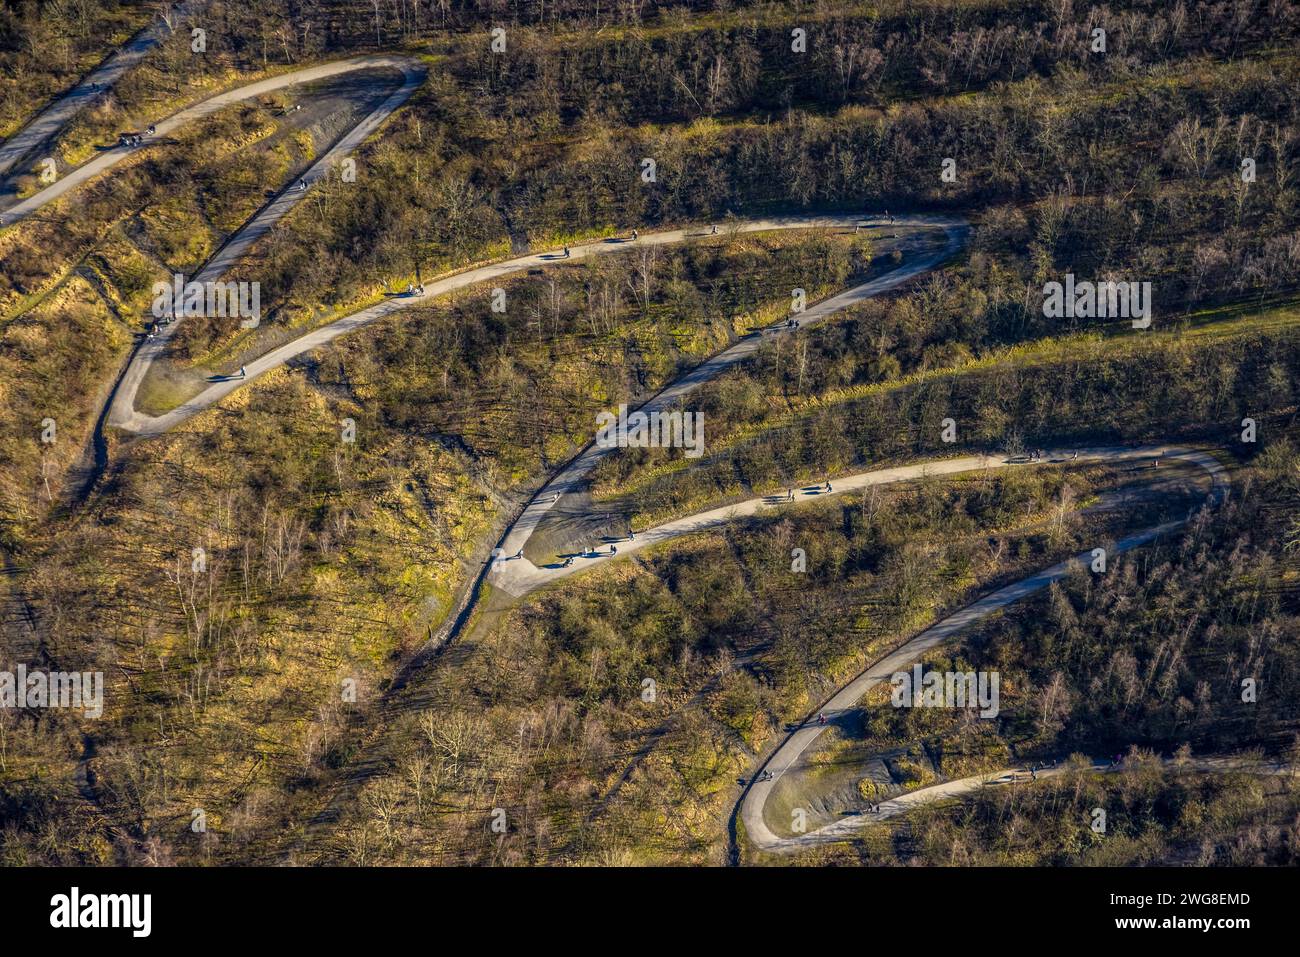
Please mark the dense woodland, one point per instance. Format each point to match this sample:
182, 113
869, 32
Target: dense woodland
1156, 815
333, 562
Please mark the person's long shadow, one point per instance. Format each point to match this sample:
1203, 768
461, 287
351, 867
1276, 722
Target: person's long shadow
836, 720
225, 378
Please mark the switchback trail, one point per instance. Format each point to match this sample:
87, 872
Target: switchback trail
755, 796
847, 827
125, 416
55, 117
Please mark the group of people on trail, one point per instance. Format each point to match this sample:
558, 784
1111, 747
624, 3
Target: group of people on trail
857, 227
792, 323
766, 776
713, 231
585, 551
789, 492
1040, 766
158, 324
134, 139
1038, 455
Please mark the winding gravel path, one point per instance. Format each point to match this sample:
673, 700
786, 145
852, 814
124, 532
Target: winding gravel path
846, 827
846, 699
49, 122
520, 575
121, 413
121, 404
124, 415
413, 73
